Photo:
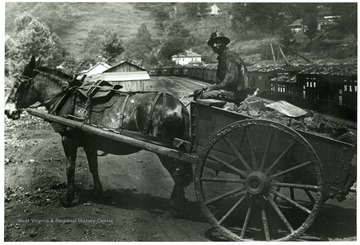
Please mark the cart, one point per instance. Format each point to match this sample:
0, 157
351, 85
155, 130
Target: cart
254, 179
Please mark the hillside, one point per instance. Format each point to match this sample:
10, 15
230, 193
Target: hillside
121, 17
93, 19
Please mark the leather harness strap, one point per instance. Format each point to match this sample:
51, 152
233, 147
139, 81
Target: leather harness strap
56, 103
149, 117
162, 121
123, 109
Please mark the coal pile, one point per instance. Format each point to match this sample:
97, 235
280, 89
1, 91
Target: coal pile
312, 122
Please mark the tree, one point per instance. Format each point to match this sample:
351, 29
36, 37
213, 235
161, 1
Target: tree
11, 56
140, 48
203, 8
347, 21
33, 38
260, 17
59, 17
177, 29
300, 10
241, 20
178, 40
161, 16
86, 62
285, 36
70, 64
194, 9
191, 9
92, 44
111, 46
311, 26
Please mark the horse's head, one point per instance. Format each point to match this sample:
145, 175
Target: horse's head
22, 94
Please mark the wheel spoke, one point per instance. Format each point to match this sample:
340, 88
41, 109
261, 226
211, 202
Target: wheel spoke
278, 211
265, 222
292, 194
246, 221
312, 199
232, 209
279, 158
222, 162
253, 157
277, 189
237, 154
305, 164
222, 180
225, 195
300, 186
262, 166
290, 201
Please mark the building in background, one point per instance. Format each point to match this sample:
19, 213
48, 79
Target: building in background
297, 26
186, 58
214, 10
98, 68
126, 74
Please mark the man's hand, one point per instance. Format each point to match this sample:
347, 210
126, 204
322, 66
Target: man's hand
198, 92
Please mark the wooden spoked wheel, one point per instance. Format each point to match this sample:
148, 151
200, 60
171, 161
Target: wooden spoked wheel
259, 180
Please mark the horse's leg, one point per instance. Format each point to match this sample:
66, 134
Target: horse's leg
181, 173
70, 149
91, 154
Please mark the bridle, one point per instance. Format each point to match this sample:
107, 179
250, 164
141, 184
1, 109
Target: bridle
25, 81
22, 80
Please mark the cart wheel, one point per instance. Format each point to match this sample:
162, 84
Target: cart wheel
259, 180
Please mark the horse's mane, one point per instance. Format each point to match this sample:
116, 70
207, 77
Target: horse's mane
57, 76
54, 72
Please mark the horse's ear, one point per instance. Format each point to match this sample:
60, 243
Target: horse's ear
32, 62
38, 61
29, 67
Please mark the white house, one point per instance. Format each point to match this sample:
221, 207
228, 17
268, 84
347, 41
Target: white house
214, 10
186, 57
297, 26
326, 21
98, 68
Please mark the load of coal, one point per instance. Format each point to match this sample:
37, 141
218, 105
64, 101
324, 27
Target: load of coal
313, 122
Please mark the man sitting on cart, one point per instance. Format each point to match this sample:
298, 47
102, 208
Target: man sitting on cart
232, 82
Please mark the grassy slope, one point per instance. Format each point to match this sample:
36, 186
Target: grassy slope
99, 17
121, 17
126, 19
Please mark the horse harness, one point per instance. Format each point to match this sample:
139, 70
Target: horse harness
99, 96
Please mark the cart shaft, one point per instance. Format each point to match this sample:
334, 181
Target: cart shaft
116, 136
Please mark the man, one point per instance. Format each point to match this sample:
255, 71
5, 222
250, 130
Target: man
232, 83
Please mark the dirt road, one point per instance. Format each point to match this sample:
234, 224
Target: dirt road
135, 205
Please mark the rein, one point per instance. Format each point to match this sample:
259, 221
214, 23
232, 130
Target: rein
21, 79
50, 103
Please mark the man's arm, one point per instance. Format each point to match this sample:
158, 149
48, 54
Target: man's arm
229, 80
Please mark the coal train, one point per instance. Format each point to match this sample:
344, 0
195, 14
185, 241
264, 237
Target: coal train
327, 89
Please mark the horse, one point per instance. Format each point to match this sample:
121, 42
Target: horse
58, 92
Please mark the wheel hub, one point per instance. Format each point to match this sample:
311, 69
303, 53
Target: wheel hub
256, 183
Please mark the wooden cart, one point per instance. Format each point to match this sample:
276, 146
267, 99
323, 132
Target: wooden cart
254, 179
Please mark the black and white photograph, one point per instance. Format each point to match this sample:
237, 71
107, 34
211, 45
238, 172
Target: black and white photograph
180, 121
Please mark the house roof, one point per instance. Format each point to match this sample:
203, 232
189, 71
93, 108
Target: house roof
214, 6
121, 76
297, 22
122, 63
187, 53
106, 66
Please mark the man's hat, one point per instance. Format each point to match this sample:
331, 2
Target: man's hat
218, 36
